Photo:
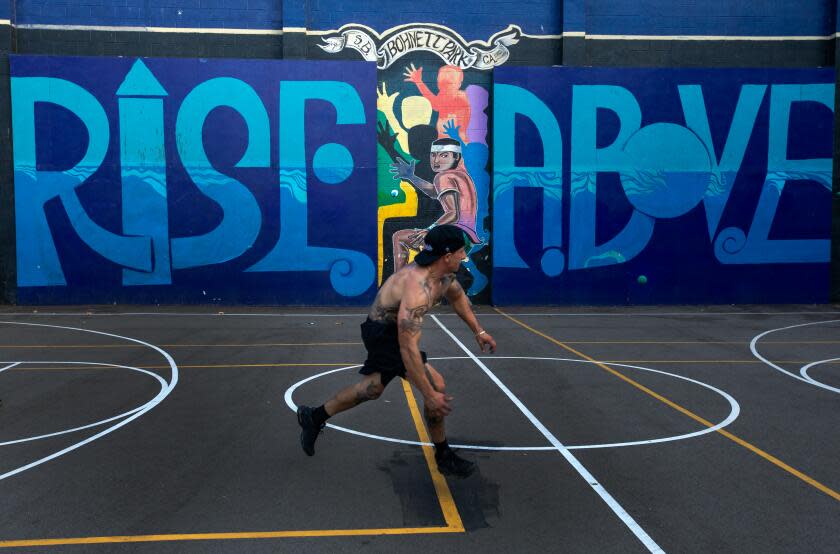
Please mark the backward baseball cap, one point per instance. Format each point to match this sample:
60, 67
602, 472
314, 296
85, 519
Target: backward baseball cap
440, 241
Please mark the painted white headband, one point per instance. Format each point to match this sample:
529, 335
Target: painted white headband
446, 148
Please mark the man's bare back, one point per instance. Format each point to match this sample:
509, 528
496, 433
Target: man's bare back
386, 306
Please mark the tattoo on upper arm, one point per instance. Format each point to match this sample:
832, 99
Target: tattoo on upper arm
414, 322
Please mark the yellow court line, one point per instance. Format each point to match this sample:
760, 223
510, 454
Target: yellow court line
246, 345
205, 366
342, 364
230, 536
354, 343
447, 503
769, 457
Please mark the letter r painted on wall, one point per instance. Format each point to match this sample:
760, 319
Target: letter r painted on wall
38, 261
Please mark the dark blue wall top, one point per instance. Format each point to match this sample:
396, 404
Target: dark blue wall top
711, 17
253, 14
473, 19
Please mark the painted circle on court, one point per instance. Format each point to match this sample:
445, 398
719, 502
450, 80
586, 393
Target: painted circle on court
120, 421
735, 409
160, 380
803, 376
806, 368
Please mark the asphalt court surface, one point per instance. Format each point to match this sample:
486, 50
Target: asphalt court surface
595, 430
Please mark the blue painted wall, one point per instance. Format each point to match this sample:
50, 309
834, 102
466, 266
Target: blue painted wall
571, 236
660, 186
177, 180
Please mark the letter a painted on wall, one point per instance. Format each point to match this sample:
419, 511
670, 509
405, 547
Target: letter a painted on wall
511, 101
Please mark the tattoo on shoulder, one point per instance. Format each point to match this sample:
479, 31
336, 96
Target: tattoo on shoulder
414, 322
455, 288
427, 290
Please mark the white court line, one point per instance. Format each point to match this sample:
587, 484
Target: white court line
804, 370
97, 423
754, 349
735, 410
634, 527
151, 404
2, 369
483, 314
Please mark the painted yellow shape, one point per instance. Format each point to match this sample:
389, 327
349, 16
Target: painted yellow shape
447, 503
405, 209
416, 110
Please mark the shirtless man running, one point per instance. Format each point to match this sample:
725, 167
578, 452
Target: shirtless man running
391, 335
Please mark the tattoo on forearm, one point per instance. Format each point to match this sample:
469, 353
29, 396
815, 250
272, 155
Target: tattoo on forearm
414, 322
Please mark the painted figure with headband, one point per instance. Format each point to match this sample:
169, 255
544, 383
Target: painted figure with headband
452, 187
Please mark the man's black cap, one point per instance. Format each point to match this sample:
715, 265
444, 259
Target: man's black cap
441, 240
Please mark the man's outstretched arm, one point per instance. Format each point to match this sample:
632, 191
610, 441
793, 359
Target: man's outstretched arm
413, 308
461, 304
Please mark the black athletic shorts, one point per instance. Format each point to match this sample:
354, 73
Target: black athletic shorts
383, 347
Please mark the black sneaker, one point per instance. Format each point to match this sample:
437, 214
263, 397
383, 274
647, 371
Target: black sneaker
309, 429
449, 463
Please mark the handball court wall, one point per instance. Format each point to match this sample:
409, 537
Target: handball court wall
620, 152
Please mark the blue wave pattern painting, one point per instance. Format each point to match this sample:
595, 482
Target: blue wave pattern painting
169, 189
669, 200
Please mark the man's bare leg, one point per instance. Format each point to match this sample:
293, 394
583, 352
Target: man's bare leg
369, 388
313, 420
448, 462
434, 421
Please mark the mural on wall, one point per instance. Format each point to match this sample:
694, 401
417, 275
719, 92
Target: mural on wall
246, 181
661, 185
432, 101
175, 180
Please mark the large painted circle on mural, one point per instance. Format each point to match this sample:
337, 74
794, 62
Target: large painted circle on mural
735, 409
332, 163
669, 170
